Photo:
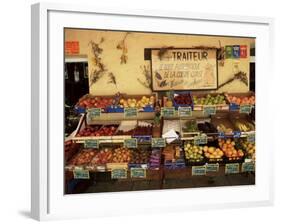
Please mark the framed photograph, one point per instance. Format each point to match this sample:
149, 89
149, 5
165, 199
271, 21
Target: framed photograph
128, 118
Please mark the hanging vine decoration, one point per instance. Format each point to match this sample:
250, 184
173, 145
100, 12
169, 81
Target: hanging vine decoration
221, 54
241, 76
100, 70
163, 51
112, 79
147, 77
123, 47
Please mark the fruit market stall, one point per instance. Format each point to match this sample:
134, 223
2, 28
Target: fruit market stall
175, 133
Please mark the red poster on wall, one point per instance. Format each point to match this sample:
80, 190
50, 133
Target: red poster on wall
243, 51
72, 47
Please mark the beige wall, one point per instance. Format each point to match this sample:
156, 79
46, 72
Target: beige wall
127, 74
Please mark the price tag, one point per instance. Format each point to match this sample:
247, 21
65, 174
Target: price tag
119, 173
138, 173
221, 135
248, 167
158, 143
81, 174
200, 139
131, 143
236, 134
185, 111
209, 110
94, 113
232, 168
168, 111
212, 167
198, 170
130, 112
245, 108
92, 144
251, 137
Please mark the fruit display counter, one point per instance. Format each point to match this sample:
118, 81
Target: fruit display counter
162, 146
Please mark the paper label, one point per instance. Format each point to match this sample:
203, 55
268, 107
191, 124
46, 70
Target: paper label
198, 170
212, 167
251, 137
130, 112
245, 108
209, 110
248, 167
232, 168
94, 113
138, 173
93, 144
185, 111
81, 174
158, 143
118, 173
200, 139
131, 143
168, 111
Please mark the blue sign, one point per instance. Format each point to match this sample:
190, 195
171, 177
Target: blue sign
236, 134
236, 51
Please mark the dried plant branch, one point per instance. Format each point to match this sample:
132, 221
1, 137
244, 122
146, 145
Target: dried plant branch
112, 79
147, 77
221, 54
241, 76
96, 74
122, 46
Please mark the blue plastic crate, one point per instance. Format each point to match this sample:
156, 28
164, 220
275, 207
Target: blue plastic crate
118, 109
148, 108
234, 107
182, 105
80, 110
114, 109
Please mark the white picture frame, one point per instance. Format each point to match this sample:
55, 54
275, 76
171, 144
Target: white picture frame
48, 201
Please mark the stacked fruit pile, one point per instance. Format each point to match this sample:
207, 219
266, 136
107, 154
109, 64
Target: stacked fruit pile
209, 100
139, 156
213, 153
244, 125
228, 147
89, 131
193, 153
89, 101
241, 99
183, 99
97, 130
223, 128
103, 156
249, 148
172, 153
84, 157
138, 103
121, 155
